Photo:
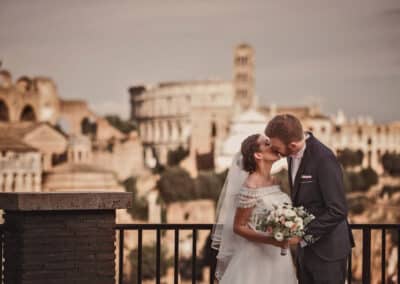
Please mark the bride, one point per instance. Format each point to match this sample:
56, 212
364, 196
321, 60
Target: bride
244, 255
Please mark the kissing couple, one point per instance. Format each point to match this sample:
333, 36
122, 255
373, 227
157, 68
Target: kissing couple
250, 256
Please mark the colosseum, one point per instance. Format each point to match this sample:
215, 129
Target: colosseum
206, 116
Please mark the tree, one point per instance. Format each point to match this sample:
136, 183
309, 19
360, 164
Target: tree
387, 189
370, 177
139, 209
88, 128
175, 184
125, 126
185, 264
391, 163
148, 263
174, 157
349, 158
356, 181
358, 204
360, 181
208, 185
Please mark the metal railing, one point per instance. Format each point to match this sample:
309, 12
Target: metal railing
366, 230
158, 228
366, 250
2, 253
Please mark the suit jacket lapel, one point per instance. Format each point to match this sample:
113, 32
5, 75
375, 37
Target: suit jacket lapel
300, 171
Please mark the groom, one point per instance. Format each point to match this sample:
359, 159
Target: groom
316, 183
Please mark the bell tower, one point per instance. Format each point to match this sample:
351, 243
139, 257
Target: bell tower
243, 77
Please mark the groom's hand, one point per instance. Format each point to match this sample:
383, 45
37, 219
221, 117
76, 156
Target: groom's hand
294, 241
281, 244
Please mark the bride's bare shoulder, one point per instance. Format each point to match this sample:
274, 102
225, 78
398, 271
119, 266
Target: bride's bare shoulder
250, 183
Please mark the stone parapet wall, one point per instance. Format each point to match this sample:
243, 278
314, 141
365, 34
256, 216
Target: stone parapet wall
60, 247
60, 237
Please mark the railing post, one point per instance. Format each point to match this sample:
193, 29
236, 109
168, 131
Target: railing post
121, 257
140, 248
194, 252
1, 255
398, 253
366, 258
176, 257
383, 257
66, 237
158, 256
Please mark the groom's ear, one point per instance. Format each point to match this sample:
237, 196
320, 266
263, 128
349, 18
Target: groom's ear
292, 146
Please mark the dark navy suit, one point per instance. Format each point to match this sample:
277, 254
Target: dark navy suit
318, 186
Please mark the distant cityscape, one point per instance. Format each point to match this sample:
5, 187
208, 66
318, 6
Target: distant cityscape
49, 144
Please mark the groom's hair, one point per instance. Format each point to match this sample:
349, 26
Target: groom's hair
285, 127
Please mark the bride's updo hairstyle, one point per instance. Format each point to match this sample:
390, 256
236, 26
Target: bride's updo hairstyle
249, 147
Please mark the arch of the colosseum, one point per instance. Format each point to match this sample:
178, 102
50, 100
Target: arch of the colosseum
170, 131
151, 133
146, 129
180, 130
155, 132
173, 130
166, 132
11, 103
28, 114
142, 131
4, 111
162, 133
85, 125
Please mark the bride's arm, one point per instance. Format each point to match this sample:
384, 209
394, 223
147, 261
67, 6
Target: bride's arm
241, 227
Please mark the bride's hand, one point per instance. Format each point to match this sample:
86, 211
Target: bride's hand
281, 244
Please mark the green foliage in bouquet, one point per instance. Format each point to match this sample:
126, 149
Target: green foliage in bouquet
283, 221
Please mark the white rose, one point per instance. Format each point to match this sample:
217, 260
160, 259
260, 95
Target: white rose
302, 212
289, 224
290, 213
298, 221
278, 236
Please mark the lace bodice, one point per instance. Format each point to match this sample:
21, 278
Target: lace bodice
244, 261
261, 199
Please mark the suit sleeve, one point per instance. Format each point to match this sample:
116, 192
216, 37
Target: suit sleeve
330, 182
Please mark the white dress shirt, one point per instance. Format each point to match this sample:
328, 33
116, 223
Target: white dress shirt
296, 160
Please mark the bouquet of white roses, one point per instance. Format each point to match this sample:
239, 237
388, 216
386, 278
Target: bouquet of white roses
283, 222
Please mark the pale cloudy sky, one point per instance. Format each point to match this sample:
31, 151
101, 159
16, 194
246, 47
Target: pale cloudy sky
344, 54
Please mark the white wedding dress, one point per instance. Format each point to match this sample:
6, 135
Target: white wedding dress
257, 263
